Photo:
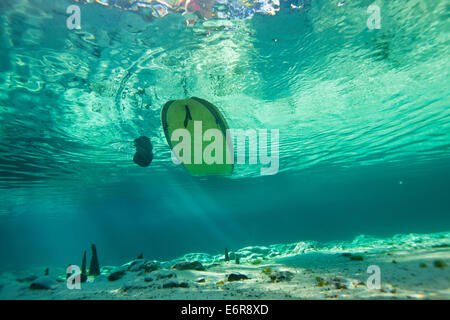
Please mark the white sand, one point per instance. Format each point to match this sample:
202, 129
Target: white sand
404, 279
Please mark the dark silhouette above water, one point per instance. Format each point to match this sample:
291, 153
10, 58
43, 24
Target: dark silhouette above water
144, 154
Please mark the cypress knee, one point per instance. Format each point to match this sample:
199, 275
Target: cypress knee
94, 269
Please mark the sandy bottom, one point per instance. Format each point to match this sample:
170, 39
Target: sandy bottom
416, 274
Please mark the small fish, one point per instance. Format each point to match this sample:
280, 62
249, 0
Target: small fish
144, 151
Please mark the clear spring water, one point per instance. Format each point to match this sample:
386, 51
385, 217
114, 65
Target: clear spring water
363, 115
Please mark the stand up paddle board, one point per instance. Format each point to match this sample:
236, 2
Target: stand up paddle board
209, 149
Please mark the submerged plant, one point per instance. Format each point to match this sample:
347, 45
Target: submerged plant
321, 282
440, 264
267, 271
256, 262
356, 258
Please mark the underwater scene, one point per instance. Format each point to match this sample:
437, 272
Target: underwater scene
224, 149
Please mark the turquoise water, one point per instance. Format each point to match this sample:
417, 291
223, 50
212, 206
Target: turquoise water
363, 116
